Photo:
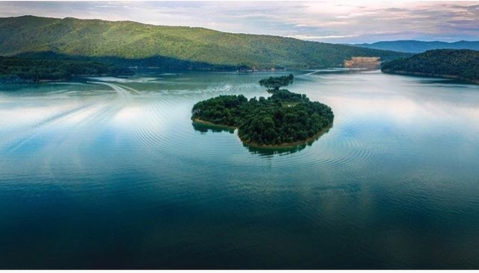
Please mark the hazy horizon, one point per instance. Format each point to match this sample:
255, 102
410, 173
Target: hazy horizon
325, 21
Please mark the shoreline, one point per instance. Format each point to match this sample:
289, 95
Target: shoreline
307, 141
204, 122
420, 74
282, 145
13, 79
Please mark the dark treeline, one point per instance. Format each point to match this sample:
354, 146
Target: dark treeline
18, 70
449, 63
155, 62
283, 118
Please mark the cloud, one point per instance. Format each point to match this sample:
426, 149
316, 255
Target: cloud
311, 37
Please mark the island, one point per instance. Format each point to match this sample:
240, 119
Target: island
445, 63
283, 119
274, 83
27, 70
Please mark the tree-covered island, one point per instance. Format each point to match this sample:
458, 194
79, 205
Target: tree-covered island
285, 118
274, 83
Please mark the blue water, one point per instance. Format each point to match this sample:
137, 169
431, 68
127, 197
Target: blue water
111, 173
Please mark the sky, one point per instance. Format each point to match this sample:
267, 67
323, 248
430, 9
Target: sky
324, 21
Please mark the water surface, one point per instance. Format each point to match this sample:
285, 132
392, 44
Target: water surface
111, 173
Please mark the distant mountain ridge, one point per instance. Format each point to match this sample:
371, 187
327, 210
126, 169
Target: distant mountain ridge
413, 46
168, 47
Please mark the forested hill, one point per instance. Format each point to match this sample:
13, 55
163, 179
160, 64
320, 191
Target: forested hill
447, 63
191, 47
413, 46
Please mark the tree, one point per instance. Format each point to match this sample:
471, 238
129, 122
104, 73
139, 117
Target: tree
283, 118
274, 83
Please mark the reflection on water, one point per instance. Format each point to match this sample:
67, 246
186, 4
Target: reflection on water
286, 149
264, 151
201, 127
276, 150
111, 173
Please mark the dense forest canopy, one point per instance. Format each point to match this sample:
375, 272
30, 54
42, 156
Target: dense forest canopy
18, 70
134, 42
275, 83
283, 118
449, 63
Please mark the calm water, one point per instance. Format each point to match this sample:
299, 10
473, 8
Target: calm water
110, 173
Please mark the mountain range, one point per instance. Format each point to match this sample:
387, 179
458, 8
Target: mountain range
136, 44
412, 46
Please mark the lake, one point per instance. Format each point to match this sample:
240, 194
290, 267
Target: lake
111, 173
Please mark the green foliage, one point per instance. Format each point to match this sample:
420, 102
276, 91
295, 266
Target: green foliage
275, 83
284, 95
132, 41
268, 122
461, 64
223, 110
30, 70
283, 118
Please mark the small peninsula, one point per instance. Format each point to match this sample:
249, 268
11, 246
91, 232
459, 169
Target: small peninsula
444, 63
26, 70
285, 118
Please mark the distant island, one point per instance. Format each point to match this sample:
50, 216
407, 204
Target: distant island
284, 119
413, 46
274, 83
444, 63
132, 44
25, 70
